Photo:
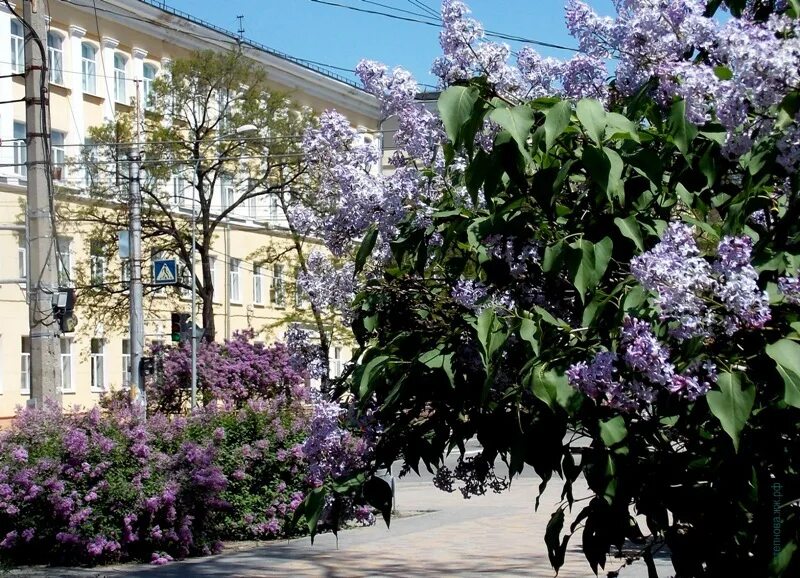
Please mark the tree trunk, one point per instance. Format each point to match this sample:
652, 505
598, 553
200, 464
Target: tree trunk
207, 296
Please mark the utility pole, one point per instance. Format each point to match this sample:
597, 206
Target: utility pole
45, 356
136, 292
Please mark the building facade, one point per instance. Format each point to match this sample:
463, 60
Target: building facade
99, 56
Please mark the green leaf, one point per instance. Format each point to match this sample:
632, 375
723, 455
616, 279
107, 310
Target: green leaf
366, 387
548, 385
311, 508
518, 121
619, 126
365, 250
723, 72
553, 257
681, 130
527, 331
593, 118
629, 227
455, 108
556, 547
556, 119
490, 334
378, 494
588, 263
786, 355
780, 563
605, 168
613, 431
732, 404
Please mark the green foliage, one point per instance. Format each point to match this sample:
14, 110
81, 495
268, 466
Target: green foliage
593, 188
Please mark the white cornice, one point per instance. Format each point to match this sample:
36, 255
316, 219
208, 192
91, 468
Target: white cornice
77, 31
109, 42
139, 53
190, 36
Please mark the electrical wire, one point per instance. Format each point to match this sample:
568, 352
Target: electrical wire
438, 24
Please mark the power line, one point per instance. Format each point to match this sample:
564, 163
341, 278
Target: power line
438, 24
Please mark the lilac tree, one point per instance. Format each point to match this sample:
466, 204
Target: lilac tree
567, 249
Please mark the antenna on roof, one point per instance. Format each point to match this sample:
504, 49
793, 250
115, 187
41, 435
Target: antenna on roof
240, 18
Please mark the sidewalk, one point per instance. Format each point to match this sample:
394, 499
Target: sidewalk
493, 535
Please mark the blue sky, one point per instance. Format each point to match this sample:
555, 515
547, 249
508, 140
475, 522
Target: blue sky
342, 37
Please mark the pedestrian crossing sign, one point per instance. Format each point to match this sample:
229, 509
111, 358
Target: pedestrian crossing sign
165, 272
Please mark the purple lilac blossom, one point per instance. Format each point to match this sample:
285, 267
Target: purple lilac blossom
790, 288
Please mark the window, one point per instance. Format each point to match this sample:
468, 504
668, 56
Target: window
20, 149
233, 281
57, 155
300, 296
120, 64
25, 365
97, 263
278, 290
228, 196
126, 362
337, 362
66, 365
22, 254
212, 265
97, 357
258, 284
273, 209
178, 190
17, 47
55, 55
149, 74
64, 262
89, 68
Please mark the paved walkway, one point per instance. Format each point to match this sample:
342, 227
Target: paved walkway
494, 535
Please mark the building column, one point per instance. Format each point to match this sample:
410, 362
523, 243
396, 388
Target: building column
6, 89
108, 45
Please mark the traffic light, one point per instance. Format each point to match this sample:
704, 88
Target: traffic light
180, 326
64, 309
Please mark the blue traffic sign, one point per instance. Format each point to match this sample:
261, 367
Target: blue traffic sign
165, 272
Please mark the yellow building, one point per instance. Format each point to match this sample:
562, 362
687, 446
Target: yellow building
98, 54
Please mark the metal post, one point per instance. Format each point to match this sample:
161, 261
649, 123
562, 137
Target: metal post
194, 309
45, 354
136, 293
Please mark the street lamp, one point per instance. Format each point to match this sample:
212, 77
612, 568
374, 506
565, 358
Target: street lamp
240, 131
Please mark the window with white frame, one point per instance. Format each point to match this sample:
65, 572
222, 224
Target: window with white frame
120, 66
234, 287
97, 356
97, 262
228, 195
278, 290
300, 296
149, 72
20, 149
258, 284
64, 262
25, 365
57, 155
126, 362
55, 54
178, 190
22, 258
17, 47
337, 362
212, 265
274, 208
89, 68
67, 384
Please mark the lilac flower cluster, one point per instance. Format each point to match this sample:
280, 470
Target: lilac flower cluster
790, 288
232, 372
700, 297
307, 357
114, 488
631, 379
328, 287
518, 256
469, 293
